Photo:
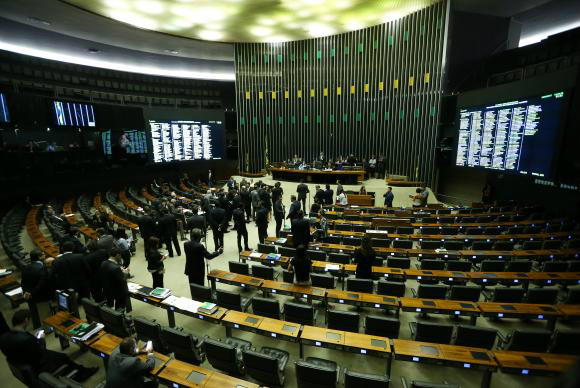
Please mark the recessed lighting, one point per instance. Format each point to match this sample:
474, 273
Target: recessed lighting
93, 50
38, 20
169, 51
210, 35
260, 31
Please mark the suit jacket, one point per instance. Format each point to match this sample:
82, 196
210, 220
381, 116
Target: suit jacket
197, 221
113, 280
262, 217
276, 193
106, 242
239, 220
146, 226
389, 196
70, 270
217, 218
126, 371
94, 261
328, 196
319, 196
195, 252
246, 199
168, 225
300, 232
36, 281
302, 190
294, 208
21, 347
79, 246
278, 210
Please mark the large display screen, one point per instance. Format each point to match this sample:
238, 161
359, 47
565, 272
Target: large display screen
74, 114
516, 136
176, 140
4, 116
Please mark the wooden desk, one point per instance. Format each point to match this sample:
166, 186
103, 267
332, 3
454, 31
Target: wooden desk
569, 310
535, 364
275, 328
321, 337
321, 176
545, 312
441, 306
104, 346
307, 292
440, 275
177, 372
360, 199
220, 380
367, 344
219, 276
63, 322
243, 321
97, 203
447, 355
282, 261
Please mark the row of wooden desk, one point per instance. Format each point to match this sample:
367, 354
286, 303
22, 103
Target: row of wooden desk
398, 221
406, 213
398, 349
68, 208
171, 371
38, 238
97, 204
456, 308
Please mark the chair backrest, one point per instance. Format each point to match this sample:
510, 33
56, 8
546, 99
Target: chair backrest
466, 293
299, 313
221, 356
459, 265
555, 266
508, 295
530, 245
48, 380
355, 380
432, 264
492, 231
382, 326
542, 295
430, 230
286, 251
266, 307
262, 367
309, 375
360, 285
343, 320
405, 230
529, 341
229, 300
114, 322
352, 240
237, 267
385, 287
433, 332
503, 246
92, 310
24, 373
476, 337
399, 262
565, 342
492, 266
288, 276
263, 272
453, 245
432, 291
403, 244
573, 296
200, 293
552, 244
147, 330
471, 231
183, 345
450, 230
431, 244
342, 258
519, 266
381, 242
322, 280
316, 255
266, 248
481, 245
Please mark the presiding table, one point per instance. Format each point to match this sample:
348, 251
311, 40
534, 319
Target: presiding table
320, 176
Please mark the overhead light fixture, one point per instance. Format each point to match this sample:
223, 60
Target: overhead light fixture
210, 35
38, 20
169, 51
93, 50
260, 31
151, 7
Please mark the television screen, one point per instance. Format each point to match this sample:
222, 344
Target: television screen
4, 116
74, 114
177, 140
106, 141
134, 142
62, 301
516, 136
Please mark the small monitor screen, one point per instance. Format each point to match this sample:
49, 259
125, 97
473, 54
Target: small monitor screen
4, 116
106, 141
517, 136
74, 114
134, 142
62, 301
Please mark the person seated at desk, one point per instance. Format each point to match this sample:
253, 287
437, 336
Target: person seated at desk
351, 160
301, 266
362, 191
22, 348
364, 258
341, 199
125, 370
417, 198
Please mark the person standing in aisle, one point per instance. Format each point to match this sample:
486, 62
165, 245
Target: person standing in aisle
302, 191
155, 261
195, 252
279, 215
240, 227
389, 197
262, 222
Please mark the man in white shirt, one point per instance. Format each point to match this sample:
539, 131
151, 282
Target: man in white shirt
342, 200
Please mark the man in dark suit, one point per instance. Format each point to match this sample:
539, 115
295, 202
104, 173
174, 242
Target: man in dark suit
126, 370
389, 197
22, 348
146, 224
168, 230
277, 192
70, 270
113, 280
328, 195
73, 236
262, 222
195, 252
294, 208
319, 196
35, 284
279, 215
218, 222
300, 230
302, 191
57, 220
247, 201
94, 259
240, 227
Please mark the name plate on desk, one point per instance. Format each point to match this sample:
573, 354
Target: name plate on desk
196, 377
289, 328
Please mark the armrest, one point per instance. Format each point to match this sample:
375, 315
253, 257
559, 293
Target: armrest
412, 327
414, 292
418, 266
404, 382
502, 340
486, 295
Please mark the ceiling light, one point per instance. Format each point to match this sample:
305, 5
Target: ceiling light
92, 50
352, 25
38, 20
183, 22
267, 22
210, 35
317, 29
133, 19
304, 13
260, 31
149, 6
169, 51
277, 39
116, 4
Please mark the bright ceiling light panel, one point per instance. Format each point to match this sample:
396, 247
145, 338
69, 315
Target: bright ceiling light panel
252, 20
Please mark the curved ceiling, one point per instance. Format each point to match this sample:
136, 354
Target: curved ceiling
252, 20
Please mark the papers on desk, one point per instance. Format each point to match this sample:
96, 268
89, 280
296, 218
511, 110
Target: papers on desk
256, 255
332, 267
84, 331
192, 306
160, 292
439, 250
133, 287
14, 292
281, 240
374, 231
353, 205
5, 272
274, 256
